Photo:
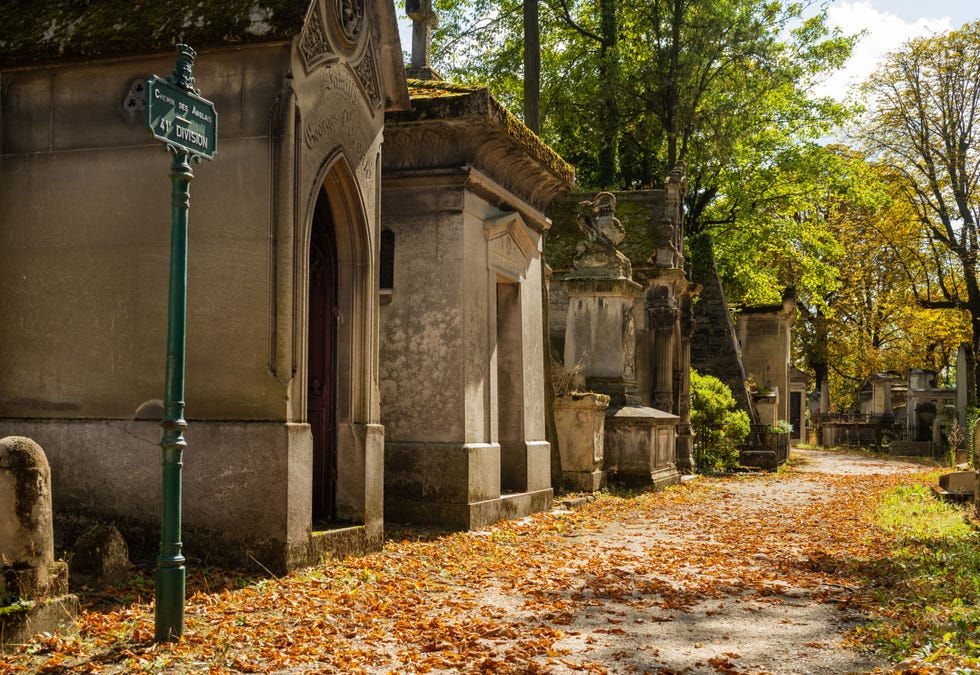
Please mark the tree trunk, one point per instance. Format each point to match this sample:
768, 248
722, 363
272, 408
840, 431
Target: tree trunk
671, 84
532, 66
609, 93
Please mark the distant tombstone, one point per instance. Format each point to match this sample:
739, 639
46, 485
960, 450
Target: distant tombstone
33, 586
100, 558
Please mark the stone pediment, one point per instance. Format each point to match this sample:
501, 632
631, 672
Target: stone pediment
510, 247
453, 126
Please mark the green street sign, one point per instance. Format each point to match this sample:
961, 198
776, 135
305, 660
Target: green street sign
180, 118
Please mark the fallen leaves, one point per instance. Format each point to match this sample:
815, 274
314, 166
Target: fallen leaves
558, 592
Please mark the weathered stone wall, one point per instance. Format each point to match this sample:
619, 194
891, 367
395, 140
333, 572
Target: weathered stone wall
85, 238
427, 322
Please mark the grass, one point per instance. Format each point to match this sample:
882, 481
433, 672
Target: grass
925, 594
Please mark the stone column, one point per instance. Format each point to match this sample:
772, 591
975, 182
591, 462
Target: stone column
685, 437
662, 309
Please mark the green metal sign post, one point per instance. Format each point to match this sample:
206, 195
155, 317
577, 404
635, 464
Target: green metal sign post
188, 124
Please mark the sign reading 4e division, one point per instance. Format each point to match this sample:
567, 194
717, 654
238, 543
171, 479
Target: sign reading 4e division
180, 118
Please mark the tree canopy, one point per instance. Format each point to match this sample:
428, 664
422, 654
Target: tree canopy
880, 244
868, 321
925, 103
722, 85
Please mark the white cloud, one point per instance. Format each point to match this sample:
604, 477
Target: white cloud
885, 32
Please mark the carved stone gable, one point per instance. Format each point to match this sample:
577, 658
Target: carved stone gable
313, 43
510, 247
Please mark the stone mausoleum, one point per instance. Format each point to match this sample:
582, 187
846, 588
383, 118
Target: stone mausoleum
464, 189
630, 325
356, 262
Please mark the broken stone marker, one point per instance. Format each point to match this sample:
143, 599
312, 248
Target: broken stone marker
100, 558
33, 585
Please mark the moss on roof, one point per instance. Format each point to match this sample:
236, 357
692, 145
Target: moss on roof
33, 31
433, 99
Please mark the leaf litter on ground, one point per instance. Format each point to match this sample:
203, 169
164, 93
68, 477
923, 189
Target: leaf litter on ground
557, 592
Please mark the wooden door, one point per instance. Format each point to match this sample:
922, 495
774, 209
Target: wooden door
321, 368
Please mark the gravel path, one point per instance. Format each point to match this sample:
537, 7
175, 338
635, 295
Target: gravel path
793, 626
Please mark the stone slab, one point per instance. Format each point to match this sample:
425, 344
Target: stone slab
583, 481
959, 481
51, 616
471, 516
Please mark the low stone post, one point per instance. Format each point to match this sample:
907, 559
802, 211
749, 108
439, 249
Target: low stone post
580, 423
33, 585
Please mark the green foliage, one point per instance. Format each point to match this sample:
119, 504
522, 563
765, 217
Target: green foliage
924, 103
725, 87
14, 607
928, 589
867, 321
718, 427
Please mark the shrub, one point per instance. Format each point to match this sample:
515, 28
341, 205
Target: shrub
717, 426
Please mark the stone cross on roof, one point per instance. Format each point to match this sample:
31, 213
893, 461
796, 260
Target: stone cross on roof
424, 19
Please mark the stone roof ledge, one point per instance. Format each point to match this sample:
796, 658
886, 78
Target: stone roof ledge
452, 126
41, 32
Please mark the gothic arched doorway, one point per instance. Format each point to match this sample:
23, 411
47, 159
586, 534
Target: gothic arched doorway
322, 361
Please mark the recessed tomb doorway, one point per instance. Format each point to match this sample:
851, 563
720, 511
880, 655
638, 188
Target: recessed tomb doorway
322, 362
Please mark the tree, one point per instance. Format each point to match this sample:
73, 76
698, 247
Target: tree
923, 126
869, 321
634, 86
532, 66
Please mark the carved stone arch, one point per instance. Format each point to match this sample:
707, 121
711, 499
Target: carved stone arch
336, 189
336, 183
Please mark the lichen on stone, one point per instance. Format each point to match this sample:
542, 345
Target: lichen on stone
450, 99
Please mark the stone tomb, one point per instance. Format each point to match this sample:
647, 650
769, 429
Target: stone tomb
464, 190
580, 423
659, 298
33, 585
600, 338
285, 448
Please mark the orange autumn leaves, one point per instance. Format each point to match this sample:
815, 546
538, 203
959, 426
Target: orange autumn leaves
558, 592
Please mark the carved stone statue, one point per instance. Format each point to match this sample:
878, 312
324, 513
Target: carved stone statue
597, 256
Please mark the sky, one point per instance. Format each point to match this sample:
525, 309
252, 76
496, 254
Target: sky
889, 24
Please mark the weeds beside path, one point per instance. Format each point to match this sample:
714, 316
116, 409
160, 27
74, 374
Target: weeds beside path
748, 574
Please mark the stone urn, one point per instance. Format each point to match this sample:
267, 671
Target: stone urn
580, 419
